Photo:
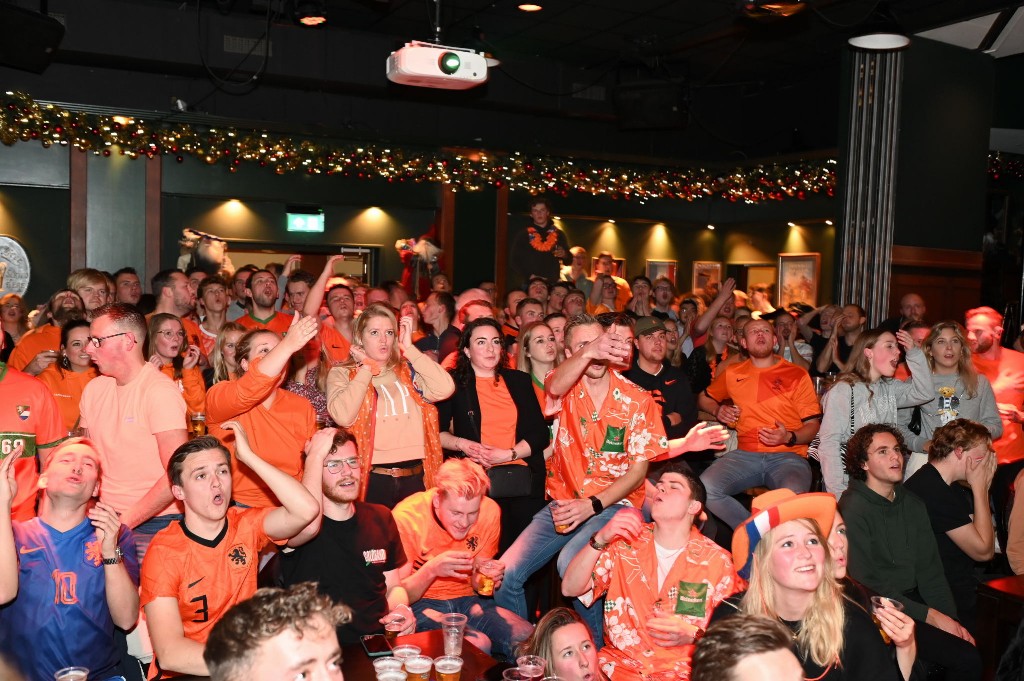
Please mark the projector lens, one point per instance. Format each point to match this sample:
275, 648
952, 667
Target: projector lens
449, 63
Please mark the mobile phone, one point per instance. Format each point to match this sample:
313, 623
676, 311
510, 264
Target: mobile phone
376, 645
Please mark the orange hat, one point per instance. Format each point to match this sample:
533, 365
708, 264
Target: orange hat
771, 509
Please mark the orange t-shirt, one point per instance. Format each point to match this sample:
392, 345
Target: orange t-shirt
67, 387
29, 416
192, 388
782, 392
337, 346
498, 413
596, 444
279, 322
277, 435
205, 578
423, 538
32, 343
1009, 447
123, 422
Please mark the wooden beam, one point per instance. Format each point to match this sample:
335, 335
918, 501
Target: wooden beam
78, 183
932, 258
446, 229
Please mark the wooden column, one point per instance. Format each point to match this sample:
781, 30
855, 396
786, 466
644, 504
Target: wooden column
446, 230
864, 253
78, 184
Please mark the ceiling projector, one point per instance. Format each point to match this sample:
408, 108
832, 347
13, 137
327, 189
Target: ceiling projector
436, 66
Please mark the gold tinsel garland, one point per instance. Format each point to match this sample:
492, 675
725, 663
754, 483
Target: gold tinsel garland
22, 119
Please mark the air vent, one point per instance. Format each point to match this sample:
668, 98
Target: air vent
234, 44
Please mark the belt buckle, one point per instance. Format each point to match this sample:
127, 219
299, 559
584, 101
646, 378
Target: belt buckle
395, 472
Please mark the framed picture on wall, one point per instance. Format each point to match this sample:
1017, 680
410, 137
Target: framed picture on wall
705, 272
798, 279
662, 268
618, 267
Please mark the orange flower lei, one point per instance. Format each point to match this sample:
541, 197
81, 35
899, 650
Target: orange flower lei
547, 244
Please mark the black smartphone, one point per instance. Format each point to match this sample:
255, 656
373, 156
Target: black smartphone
376, 645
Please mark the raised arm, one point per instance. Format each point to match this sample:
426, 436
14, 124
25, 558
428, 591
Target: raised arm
122, 591
317, 448
298, 508
606, 347
977, 538
725, 294
579, 575
315, 297
8, 552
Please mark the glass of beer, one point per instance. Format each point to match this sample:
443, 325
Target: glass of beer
418, 667
387, 664
513, 674
453, 625
531, 666
404, 651
560, 528
71, 674
484, 572
392, 675
198, 424
393, 627
448, 668
878, 602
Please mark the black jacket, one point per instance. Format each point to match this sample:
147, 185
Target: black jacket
460, 413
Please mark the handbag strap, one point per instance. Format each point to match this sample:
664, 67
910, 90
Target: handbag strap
852, 431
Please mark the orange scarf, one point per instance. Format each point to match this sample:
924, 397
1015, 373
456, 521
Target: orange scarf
366, 422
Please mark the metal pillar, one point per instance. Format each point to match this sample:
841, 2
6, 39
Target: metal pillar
864, 253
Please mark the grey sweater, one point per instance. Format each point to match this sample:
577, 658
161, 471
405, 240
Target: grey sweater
878, 405
981, 408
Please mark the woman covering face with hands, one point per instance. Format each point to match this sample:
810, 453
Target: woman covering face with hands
384, 394
168, 350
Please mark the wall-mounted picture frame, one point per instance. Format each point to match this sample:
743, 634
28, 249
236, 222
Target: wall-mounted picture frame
799, 275
618, 267
662, 268
705, 272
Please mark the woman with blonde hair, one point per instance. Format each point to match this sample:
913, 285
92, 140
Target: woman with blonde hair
223, 360
562, 639
957, 391
782, 550
868, 393
384, 394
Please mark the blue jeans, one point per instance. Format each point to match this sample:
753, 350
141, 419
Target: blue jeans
739, 470
144, 532
534, 548
501, 630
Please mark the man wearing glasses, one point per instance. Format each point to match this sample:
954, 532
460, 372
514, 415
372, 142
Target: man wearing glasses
352, 550
136, 417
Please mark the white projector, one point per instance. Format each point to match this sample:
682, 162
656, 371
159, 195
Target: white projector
436, 66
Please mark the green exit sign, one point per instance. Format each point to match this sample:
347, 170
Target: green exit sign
305, 222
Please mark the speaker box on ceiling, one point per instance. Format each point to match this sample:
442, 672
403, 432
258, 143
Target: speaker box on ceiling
28, 40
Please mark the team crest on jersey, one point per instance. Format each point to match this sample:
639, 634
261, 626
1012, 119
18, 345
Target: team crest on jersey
472, 542
24, 411
92, 552
238, 556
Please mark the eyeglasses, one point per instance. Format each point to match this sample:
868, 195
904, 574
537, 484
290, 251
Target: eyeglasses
334, 465
172, 334
96, 342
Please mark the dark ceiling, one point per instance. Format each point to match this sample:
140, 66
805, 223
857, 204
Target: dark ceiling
707, 83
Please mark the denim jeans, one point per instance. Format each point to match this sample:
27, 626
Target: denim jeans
739, 470
144, 532
534, 548
502, 630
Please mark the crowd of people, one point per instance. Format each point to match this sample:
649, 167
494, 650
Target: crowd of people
720, 488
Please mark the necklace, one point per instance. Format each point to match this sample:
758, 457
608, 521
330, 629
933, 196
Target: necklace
547, 244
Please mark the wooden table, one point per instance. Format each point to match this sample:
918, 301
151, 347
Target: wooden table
357, 665
1000, 609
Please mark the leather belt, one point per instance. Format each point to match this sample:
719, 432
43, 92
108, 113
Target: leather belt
398, 472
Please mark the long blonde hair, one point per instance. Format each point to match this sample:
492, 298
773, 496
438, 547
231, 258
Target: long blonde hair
821, 630
370, 312
221, 372
965, 366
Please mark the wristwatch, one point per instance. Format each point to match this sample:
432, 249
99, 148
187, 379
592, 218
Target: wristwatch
596, 545
596, 503
118, 557
514, 455
792, 438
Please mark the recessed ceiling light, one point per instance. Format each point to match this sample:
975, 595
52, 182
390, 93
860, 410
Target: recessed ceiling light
530, 7
711, 227
828, 222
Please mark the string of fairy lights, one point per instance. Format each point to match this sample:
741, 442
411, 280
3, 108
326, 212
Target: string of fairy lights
22, 119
